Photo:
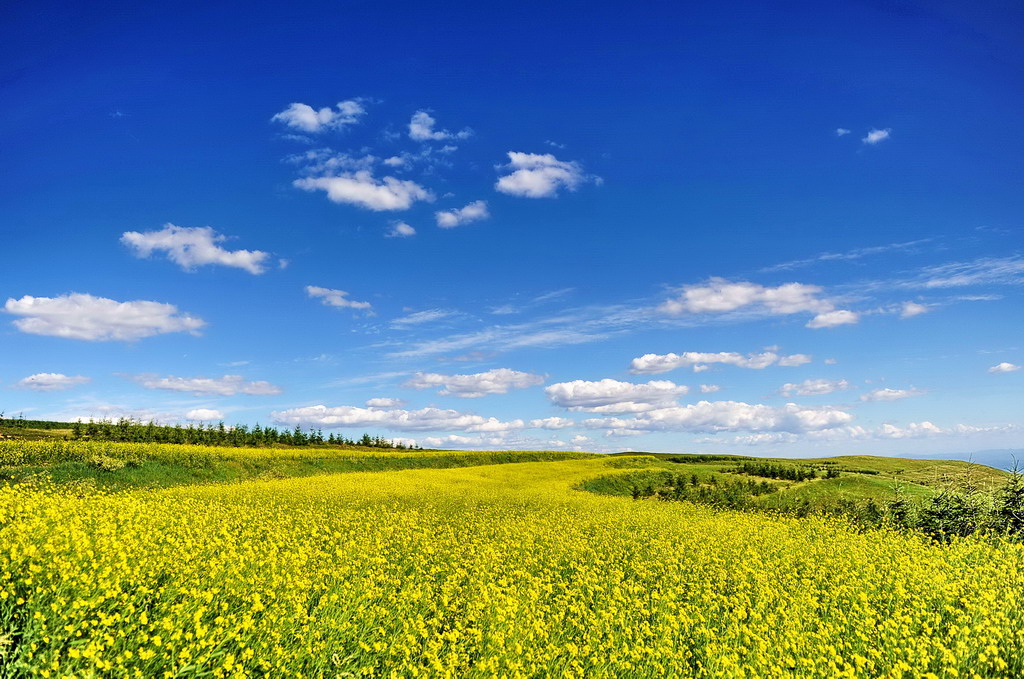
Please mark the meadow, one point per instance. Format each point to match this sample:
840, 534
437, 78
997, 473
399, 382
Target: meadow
494, 569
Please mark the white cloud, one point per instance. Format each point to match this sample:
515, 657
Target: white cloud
84, 317
714, 416
830, 361
228, 385
890, 394
192, 247
421, 128
307, 119
420, 317
612, 396
875, 136
911, 309
473, 212
814, 387
326, 161
983, 271
553, 423
1004, 367
382, 402
425, 419
849, 255
831, 319
400, 230
204, 414
709, 388
363, 190
497, 381
842, 131
650, 364
335, 298
540, 175
719, 295
51, 382
794, 360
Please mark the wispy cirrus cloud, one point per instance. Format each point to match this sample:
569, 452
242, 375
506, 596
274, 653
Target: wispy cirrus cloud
228, 385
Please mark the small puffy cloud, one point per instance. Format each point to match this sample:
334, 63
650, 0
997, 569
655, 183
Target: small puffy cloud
876, 136
709, 388
890, 394
842, 131
719, 295
363, 190
832, 319
384, 403
421, 128
84, 317
307, 119
474, 212
612, 396
1004, 367
553, 423
540, 175
204, 415
192, 247
814, 387
497, 381
424, 419
830, 361
228, 385
335, 298
698, 361
400, 230
715, 416
420, 317
911, 309
50, 382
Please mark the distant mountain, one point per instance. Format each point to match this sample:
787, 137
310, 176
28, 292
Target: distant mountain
1003, 458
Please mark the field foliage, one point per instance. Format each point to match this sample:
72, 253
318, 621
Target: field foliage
497, 570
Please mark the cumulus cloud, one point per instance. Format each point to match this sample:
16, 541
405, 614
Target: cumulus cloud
424, 419
335, 298
50, 382
650, 364
842, 131
382, 402
832, 319
420, 317
228, 385
719, 295
305, 118
84, 317
715, 416
612, 396
911, 309
362, 189
192, 247
1004, 367
814, 387
204, 415
890, 394
400, 230
709, 388
421, 128
552, 423
497, 381
875, 136
474, 212
540, 175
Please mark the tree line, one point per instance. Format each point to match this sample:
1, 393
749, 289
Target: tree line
127, 429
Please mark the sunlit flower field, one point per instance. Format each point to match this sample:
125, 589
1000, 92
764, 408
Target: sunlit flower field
500, 570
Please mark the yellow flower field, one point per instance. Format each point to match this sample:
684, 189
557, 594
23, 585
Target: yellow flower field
503, 571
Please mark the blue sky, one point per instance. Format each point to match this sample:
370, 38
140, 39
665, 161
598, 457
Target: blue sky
791, 230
